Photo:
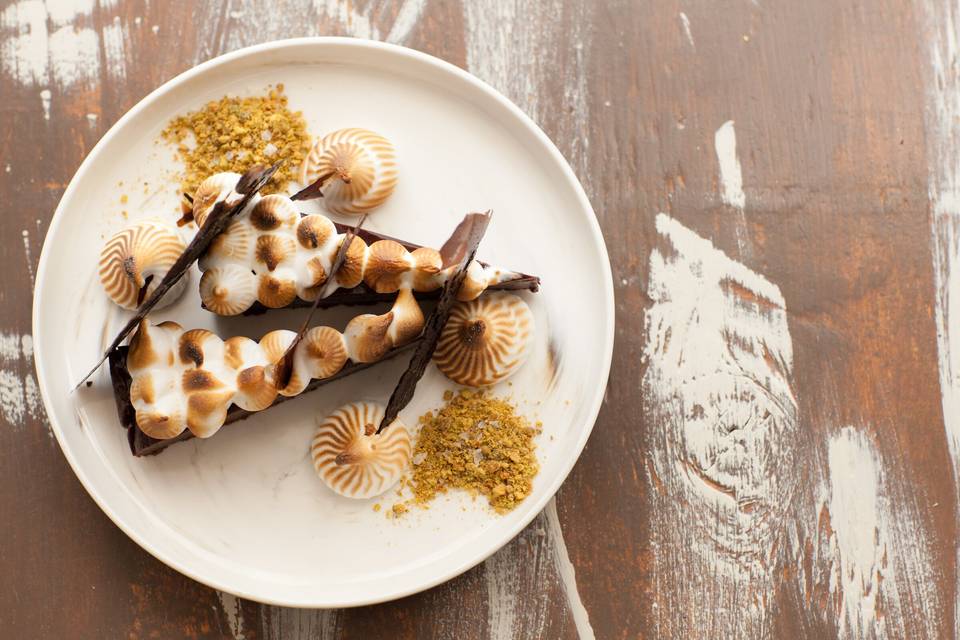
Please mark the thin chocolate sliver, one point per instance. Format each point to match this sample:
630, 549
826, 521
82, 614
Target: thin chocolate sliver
459, 250
464, 240
312, 191
284, 368
249, 184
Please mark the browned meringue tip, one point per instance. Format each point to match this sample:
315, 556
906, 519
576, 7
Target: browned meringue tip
352, 459
362, 167
427, 264
274, 211
274, 292
134, 260
256, 389
271, 250
366, 336
213, 189
144, 350
350, 273
485, 340
314, 230
275, 343
235, 242
408, 319
228, 290
387, 263
161, 426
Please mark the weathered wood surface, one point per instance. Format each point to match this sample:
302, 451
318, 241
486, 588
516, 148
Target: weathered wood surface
779, 187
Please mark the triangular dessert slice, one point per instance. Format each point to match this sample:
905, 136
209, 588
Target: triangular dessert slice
271, 256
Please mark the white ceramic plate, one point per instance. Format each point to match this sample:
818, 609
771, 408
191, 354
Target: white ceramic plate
243, 512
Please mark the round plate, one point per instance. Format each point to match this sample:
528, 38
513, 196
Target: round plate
243, 511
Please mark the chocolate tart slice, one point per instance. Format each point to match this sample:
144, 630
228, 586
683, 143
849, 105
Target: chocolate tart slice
143, 445
172, 384
271, 256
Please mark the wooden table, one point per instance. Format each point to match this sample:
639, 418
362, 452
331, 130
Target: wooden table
779, 187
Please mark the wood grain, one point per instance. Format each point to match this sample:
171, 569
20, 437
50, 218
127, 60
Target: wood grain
777, 452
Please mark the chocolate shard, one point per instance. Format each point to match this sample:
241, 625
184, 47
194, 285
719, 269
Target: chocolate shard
458, 251
284, 367
249, 184
461, 246
312, 191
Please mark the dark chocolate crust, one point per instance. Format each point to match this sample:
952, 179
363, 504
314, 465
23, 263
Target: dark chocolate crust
143, 445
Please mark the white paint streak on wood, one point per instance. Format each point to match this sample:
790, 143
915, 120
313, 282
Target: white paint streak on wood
300, 624
33, 55
234, 615
513, 575
503, 592
529, 50
523, 49
28, 254
731, 176
23, 42
407, 18
940, 29
722, 421
510, 613
45, 97
860, 537
63, 12
362, 23
19, 395
568, 578
870, 563
74, 56
685, 24
114, 50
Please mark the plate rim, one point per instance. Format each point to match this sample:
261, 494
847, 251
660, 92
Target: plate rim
416, 56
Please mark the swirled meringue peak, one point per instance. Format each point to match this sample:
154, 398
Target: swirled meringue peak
485, 340
352, 459
217, 188
134, 260
359, 167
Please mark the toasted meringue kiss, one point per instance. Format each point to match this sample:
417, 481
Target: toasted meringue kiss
387, 262
352, 459
366, 336
275, 344
474, 283
362, 167
235, 244
352, 269
427, 265
134, 260
321, 353
256, 389
485, 340
228, 290
272, 249
274, 211
275, 291
314, 230
219, 186
408, 319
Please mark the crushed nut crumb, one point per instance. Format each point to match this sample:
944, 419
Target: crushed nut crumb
477, 443
234, 134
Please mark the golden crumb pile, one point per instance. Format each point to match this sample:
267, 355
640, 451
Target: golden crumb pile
234, 134
478, 443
